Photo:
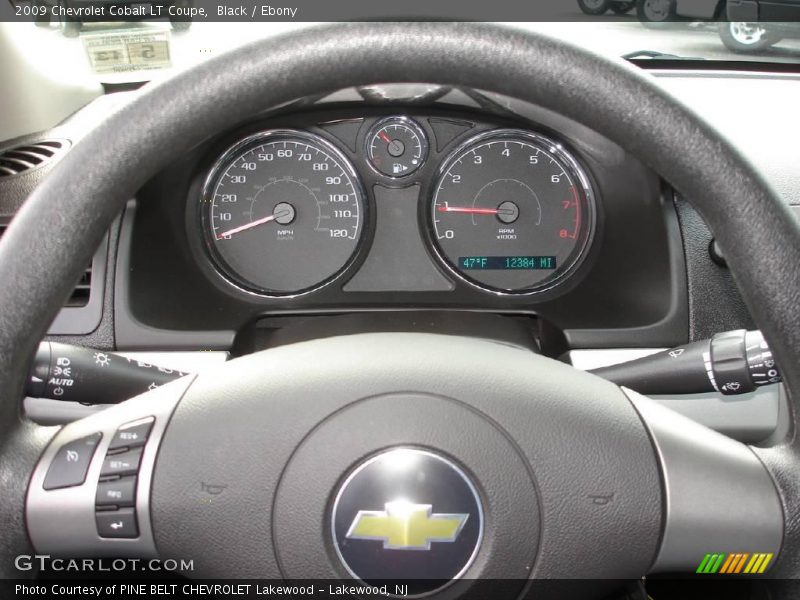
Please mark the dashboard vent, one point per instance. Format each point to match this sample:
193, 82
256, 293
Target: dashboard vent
80, 295
18, 159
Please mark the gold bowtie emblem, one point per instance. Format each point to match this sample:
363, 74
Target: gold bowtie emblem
406, 526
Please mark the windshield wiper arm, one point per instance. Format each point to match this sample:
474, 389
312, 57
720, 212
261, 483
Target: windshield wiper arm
656, 55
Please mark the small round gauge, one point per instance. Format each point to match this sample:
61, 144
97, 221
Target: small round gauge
512, 212
396, 146
283, 212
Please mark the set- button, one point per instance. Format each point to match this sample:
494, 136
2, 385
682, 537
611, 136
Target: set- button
115, 500
124, 463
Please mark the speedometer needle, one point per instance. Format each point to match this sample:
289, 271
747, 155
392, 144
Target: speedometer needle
252, 224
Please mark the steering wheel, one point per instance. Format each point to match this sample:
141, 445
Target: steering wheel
336, 457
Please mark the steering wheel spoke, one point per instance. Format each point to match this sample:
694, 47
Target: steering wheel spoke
90, 492
720, 500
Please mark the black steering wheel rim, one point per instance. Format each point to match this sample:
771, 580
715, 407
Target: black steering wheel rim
92, 183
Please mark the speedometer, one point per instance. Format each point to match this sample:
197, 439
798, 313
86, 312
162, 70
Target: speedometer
283, 212
512, 212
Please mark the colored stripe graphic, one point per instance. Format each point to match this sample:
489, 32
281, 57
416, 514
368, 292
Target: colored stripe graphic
735, 563
716, 564
764, 563
703, 564
740, 564
755, 562
727, 564
710, 563
730, 564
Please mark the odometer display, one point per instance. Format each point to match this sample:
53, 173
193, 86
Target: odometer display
512, 212
469, 263
283, 212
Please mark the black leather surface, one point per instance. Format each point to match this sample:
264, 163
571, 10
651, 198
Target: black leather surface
93, 181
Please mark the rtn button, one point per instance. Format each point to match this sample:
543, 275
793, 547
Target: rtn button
117, 523
132, 435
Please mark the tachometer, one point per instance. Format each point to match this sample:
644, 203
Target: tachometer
283, 212
512, 212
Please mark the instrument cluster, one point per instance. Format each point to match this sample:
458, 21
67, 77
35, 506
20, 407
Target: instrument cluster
507, 210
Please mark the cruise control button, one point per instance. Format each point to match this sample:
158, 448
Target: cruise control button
117, 523
129, 436
119, 492
71, 463
126, 463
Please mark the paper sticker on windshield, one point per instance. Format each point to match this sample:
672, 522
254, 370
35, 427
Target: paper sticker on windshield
120, 51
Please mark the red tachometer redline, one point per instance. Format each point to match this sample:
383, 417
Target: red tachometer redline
533, 209
577, 212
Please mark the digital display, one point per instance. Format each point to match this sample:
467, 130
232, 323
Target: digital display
507, 263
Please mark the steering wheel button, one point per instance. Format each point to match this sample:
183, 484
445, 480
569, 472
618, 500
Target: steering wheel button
117, 523
126, 463
131, 435
119, 492
71, 462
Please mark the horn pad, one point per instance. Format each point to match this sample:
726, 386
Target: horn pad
369, 492
257, 451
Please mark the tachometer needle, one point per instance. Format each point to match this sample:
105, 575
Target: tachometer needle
470, 210
384, 137
251, 224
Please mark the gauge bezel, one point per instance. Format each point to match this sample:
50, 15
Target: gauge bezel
411, 124
218, 168
548, 145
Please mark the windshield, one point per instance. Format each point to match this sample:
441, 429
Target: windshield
74, 39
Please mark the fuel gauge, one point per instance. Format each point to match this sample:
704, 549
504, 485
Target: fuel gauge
396, 146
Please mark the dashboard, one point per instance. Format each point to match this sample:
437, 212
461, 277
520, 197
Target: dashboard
325, 210
633, 272
643, 277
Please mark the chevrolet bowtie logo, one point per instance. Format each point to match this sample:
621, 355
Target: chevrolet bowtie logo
406, 526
